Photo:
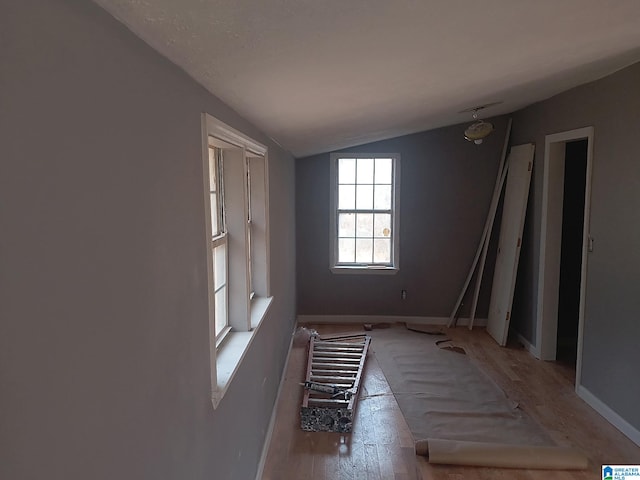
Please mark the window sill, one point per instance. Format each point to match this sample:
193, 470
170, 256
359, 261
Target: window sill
259, 308
365, 270
231, 352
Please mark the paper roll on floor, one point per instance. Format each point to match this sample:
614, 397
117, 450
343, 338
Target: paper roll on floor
452, 452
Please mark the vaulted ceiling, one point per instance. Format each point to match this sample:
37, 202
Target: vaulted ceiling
318, 75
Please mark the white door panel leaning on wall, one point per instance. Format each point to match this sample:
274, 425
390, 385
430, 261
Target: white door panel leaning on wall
520, 165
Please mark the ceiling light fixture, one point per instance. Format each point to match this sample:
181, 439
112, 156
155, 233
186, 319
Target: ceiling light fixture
478, 130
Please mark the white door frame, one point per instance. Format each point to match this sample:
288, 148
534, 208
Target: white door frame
550, 242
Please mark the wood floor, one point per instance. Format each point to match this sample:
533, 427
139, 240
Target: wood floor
381, 446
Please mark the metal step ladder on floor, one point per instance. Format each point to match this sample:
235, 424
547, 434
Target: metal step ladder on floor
334, 373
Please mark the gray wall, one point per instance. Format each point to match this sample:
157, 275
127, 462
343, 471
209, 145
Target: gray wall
104, 359
611, 329
446, 187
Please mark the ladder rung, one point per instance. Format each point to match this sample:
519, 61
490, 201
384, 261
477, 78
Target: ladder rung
338, 349
343, 386
330, 379
328, 401
317, 371
345, 366
348, 362
338, 355
339, 344
326, 346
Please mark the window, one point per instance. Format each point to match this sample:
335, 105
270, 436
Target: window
249, 228
218, 241
364, 212
237, 234
257, 223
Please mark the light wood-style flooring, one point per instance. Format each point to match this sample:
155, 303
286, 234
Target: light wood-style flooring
381, 447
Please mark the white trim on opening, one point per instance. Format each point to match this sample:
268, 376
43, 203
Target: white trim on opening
393, 265
550, 241
249, 297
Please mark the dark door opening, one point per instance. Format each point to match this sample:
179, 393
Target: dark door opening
575, 176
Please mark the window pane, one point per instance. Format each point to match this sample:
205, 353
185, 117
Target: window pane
214, 214
364, 250
382, 225
212, 170
221, 310
382, 250
219, 266
364, 225
365, 170
347, 225
213, 187
347, 170
364, 197
249, 202
346, 197
346, 250
382, 198
384, 170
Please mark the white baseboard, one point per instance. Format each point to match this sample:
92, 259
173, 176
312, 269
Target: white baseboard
272, 421
532, 349
338, 319
613, 418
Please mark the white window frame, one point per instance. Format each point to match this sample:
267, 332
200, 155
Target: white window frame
219, 239
247, 273
364, 268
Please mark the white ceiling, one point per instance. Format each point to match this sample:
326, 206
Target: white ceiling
318, 75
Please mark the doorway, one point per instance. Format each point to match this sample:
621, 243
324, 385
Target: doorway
564, 242
575, 176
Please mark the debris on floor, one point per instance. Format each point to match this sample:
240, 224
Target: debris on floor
445, 345
428, 329
302, 336
370, 326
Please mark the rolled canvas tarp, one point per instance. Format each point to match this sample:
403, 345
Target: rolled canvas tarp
453, 452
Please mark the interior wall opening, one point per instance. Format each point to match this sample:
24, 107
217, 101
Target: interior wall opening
564, 246
575, 171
